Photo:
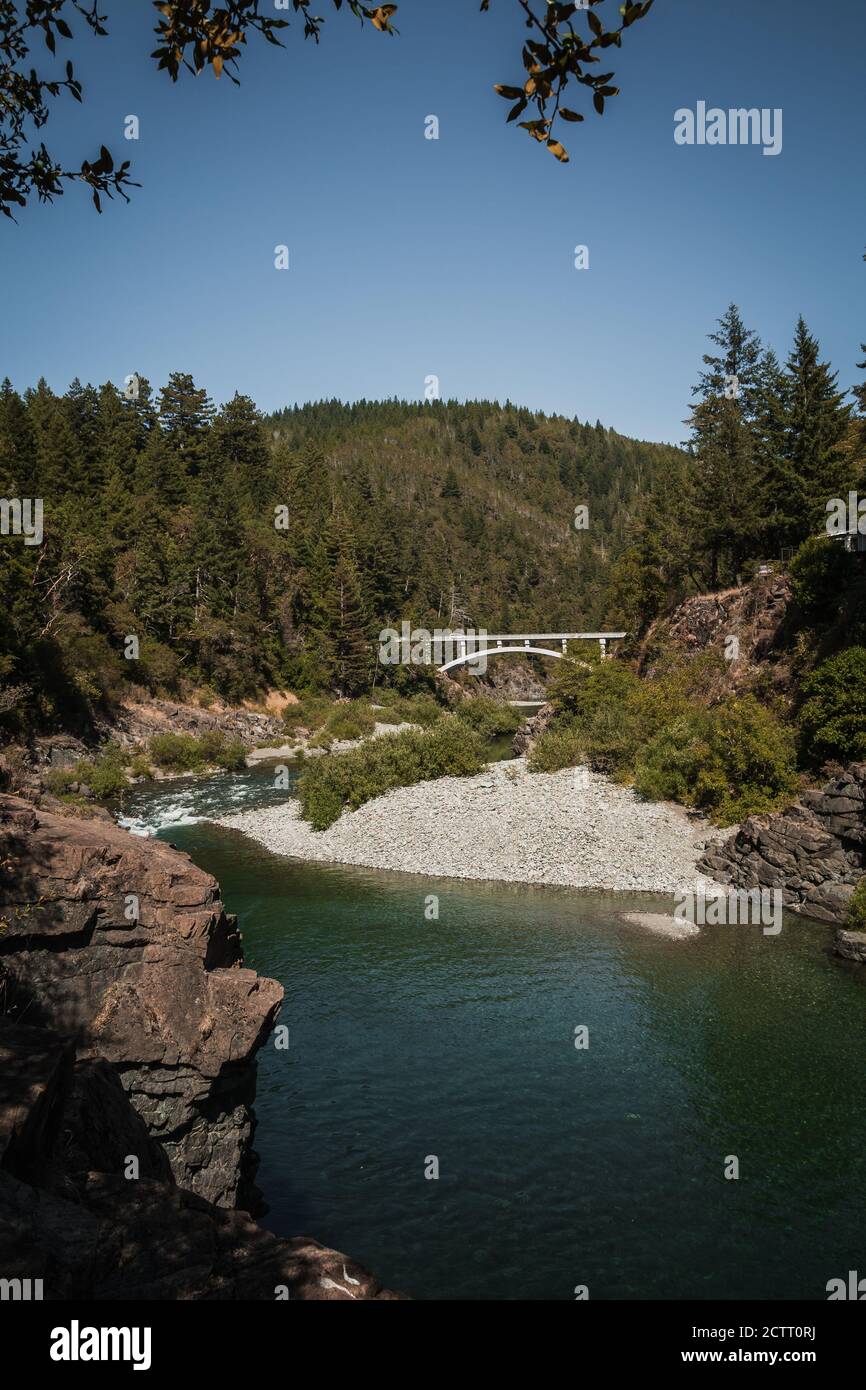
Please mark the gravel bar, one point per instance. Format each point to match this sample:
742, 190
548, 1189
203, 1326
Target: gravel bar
573, 828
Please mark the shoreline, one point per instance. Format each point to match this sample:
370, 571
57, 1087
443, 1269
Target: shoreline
573, 829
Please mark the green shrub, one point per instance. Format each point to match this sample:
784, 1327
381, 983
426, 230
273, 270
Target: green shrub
310, 714
562, 746
184, 753
329, 785
733, 760
175, 752
106, 777
833, 717
233, 756
856, 918
391, 714
820, 572
488, 718
610, 714
420, 709
59, 779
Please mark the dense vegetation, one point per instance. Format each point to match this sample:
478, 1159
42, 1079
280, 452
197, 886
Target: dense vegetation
245, 554
346, 780
189, 549
770, 446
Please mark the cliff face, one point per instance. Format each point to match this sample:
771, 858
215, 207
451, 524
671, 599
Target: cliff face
754, 615
128, 1034
815, 850
124, 946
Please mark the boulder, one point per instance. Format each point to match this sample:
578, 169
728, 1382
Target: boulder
813, 851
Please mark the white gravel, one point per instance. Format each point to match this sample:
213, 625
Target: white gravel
573, 828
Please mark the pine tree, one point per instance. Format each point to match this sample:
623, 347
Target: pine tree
346, 624
724, 444
185, 414
451, 486
816, 424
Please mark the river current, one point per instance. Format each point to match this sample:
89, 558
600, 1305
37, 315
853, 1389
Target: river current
419, 1043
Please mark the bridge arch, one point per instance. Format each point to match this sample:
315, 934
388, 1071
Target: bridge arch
469, 657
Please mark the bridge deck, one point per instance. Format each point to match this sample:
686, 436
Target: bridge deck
538, 636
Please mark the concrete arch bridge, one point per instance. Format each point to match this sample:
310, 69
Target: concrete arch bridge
475, 648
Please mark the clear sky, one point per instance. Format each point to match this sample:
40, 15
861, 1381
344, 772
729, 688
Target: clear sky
411, 257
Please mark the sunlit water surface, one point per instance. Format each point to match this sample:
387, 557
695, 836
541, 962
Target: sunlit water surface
413, 1038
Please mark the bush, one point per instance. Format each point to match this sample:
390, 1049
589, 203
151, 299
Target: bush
488, 718
184, 753
733, 760
420, 709
820, 572
59, 779
608, 714
107, 777
175, 752
310, 714
330, 785
833, 717
856, 918
556, 748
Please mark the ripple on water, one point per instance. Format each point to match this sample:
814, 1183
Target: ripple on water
558, 1166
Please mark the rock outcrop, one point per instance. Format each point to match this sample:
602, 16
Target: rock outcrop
133, 722
754, 614
851, 945
531, 729
128, 1034
814, 851
123, 945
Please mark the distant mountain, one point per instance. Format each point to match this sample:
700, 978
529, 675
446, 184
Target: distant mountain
183, 547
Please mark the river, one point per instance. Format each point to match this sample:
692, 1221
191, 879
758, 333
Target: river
454, 1039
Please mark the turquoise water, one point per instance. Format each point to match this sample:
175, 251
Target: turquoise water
412, 1038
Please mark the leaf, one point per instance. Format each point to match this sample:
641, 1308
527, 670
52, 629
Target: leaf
598, 103
595, 24
513, 93
381, 16
217, 65
558, 151
517, 110
568, 115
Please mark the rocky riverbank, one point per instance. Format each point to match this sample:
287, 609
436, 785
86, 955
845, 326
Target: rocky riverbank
814, 851
128, 1033
572, 828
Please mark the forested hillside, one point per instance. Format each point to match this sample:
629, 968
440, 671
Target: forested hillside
245, 553
189, 549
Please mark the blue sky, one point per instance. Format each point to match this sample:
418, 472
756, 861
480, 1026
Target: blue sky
412, 257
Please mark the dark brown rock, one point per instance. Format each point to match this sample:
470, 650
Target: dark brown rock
814, 851
163, 997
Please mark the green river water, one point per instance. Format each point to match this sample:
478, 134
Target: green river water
558, 1167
